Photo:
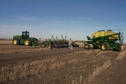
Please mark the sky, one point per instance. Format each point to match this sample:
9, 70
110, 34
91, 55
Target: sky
75, 19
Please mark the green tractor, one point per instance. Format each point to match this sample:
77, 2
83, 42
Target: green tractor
105, 40
24, 39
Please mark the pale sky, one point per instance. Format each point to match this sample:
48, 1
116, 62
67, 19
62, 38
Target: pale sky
72, 18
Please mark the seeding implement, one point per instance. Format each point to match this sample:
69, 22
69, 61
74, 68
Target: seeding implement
56, 43
105, 40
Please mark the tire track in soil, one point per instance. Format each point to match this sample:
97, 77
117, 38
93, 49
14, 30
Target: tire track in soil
31, 56
37, 62
82, 79
63, 56
101, 69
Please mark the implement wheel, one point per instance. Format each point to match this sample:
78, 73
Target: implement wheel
105, 46
27, 43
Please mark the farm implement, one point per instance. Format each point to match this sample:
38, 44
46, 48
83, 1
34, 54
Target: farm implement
56, 43
105, 40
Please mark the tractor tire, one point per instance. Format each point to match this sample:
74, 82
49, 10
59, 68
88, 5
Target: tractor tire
16, 42
105, 46
28, 43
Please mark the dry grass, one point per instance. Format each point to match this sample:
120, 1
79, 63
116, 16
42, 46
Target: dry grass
33, 68
23, 70
97, 70
80, 67
106, 65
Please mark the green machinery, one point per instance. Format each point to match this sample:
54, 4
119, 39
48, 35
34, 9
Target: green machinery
24, 39
56, 43
105, 40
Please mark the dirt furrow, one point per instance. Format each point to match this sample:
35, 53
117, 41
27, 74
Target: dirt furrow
106, 65
56, 66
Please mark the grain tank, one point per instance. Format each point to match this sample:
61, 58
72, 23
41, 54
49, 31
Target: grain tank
105, 33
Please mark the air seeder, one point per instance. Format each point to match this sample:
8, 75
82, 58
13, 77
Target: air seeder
24, 39
105, 40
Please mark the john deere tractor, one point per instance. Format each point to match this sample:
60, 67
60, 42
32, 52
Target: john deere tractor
105, 40
24, 39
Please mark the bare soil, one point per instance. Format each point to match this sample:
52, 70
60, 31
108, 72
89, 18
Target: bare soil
5, 41
36, 65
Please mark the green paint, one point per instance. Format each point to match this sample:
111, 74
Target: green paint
25, 36
112, 43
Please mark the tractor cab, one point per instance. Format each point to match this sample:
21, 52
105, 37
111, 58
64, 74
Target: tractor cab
25, 34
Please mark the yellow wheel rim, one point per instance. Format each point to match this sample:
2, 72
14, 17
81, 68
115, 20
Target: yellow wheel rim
15, 42
27, 43
103, 47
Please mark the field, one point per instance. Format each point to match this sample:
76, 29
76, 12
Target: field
5, 41
36, 65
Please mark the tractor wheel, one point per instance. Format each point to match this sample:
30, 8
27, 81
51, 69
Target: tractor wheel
16, 42
27, 43
86, 46
105, 46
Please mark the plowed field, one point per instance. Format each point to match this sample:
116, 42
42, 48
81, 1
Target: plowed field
36, 65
